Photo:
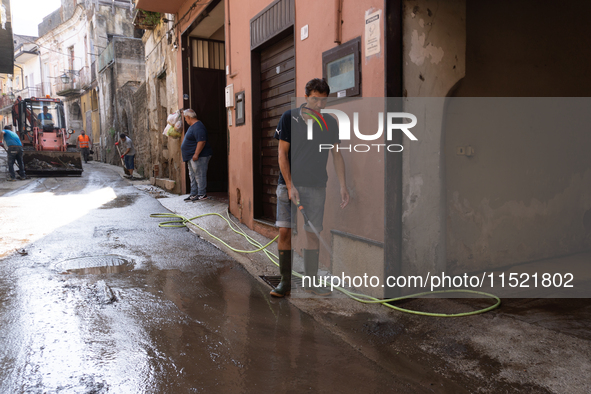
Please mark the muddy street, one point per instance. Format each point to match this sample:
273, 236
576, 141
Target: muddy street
96, 298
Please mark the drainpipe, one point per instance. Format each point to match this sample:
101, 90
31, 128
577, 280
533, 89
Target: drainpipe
229, 45
393, 163
338, 33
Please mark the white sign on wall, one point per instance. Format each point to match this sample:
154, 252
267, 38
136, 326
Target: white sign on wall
304, 33
372, 33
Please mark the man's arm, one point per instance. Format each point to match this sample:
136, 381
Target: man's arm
128, 145
198, 149
339, 166
285, 168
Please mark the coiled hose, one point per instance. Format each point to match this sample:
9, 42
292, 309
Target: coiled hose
181, 221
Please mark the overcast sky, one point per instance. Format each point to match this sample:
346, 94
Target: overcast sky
27, 14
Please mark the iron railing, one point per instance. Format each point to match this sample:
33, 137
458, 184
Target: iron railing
5, 101
106, 57
85, 76
66, 89
43, 89
28, 92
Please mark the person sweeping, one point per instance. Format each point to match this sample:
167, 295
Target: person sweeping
128, 154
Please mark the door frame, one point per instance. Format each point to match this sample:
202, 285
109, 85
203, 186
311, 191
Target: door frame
185, 50
393, 86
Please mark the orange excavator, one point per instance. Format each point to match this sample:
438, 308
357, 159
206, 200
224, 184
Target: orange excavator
41, 126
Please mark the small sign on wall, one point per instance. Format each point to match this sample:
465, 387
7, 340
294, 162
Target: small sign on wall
372, 33
304, 33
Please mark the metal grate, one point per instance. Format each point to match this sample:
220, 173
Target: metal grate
273, 281
107, 264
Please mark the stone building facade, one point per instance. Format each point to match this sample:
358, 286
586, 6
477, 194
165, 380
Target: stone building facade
72, 41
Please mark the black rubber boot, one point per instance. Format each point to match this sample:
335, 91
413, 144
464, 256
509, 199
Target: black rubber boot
311, 270
284, 287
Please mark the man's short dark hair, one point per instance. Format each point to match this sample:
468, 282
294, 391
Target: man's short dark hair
122, 136
8, 127
317, 85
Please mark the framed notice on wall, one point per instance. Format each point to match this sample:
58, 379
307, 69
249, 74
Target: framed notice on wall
341, 67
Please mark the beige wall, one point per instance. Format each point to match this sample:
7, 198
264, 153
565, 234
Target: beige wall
162, 93
525, 193
434, 47
240, 155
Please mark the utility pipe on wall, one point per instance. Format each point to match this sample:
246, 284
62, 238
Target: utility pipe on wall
338, 33
229, 72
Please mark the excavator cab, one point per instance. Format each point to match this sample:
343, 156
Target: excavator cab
42, 128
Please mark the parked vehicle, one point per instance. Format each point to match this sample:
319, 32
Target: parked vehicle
41, 126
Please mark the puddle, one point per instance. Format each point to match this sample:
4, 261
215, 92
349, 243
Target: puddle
121, 201
94, 265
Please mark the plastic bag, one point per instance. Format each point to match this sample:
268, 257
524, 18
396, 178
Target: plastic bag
173, 118
175, 125
174, 133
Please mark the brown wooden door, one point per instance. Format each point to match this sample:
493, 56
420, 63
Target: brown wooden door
277, 89
207, 89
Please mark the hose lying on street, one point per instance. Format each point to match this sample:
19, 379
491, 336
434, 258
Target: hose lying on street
181, 221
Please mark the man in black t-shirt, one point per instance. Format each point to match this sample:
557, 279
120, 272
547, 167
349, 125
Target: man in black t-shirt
303, 178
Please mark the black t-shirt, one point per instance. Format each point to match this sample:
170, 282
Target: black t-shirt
197, 132
308, 166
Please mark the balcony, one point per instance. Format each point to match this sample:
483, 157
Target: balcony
165, 7
146, 20
29, 92
107, 57
71, 88
5, 102
85, 77
43, 89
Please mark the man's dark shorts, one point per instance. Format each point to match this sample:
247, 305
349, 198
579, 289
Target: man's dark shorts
129, 161
311, 198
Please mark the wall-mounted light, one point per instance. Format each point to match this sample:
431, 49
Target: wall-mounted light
65, 79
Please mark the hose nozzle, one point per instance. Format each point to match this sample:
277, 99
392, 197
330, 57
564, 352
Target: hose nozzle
301, 209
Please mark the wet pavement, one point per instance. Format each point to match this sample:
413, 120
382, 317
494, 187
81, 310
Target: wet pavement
102, 300
96, 298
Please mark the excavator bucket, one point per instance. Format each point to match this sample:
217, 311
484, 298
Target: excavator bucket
47, 163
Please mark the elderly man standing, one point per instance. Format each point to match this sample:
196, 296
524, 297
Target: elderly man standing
15, 153
197, 151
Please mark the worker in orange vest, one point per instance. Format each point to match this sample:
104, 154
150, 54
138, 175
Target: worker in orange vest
84, 144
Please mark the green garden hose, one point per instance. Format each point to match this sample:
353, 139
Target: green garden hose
181, 221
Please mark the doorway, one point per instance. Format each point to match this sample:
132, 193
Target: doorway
208, 81
204, 81
276, 65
